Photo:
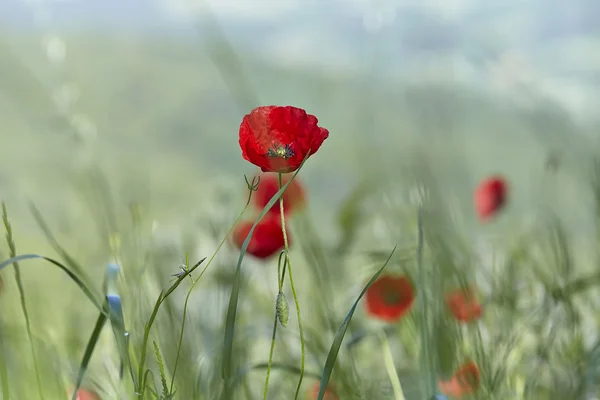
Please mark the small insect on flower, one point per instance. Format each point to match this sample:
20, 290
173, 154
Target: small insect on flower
389, 298
314, 392
277, 139
183, 270
465, 381
464, 305
490, 197
267, 239
293, 197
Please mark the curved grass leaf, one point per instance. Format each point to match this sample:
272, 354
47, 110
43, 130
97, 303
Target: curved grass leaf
86, 290
233, 299
339, 337
89, 349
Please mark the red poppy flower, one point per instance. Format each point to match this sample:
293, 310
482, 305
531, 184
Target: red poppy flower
277, 139
389, 298
266, 240
464, 381
293, 197
489, 197
463, 304
329, 392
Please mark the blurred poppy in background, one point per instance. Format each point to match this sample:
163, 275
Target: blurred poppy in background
83, 394
329, 392
490, 197
390, 298
465, 381
277, 139
268, 186
267, 239
464, 305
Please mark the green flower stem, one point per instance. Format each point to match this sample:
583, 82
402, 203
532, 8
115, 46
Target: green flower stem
391, 369
289, 268
280, 278
270, 358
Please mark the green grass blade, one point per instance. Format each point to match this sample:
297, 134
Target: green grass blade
17, 268
4, 381
89, 349
233, 299
86, 290
339, 337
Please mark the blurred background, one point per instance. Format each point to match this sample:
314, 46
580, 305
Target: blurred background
144, 87
151, 94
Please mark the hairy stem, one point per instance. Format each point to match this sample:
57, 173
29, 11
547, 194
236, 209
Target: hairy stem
289, 267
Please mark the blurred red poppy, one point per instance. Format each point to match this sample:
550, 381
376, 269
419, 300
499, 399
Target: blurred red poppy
465, 380
329, 392
390, 298
83, 394
293, 197
464, 305
490, 197
267, 239
277, 139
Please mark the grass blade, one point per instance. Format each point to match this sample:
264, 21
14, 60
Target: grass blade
86, 290
339, 337
233, 299
13, 252
4, 381
89, 349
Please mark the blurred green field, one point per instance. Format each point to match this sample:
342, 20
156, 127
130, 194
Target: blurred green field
163, 137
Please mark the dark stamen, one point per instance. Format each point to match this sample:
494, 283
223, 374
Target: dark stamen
284, 152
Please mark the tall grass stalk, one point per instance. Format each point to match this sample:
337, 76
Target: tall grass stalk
388, 360
13, 253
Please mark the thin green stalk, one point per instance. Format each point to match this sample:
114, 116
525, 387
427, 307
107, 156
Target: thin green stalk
251, 188
289, 267
280, 279
13, 253
391, 368
270, 358
422, 301
3, 369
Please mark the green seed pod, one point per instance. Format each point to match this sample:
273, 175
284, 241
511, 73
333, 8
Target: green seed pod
282, 309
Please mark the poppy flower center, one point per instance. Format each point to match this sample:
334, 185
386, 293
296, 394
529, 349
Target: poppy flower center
391, 296
279, 151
